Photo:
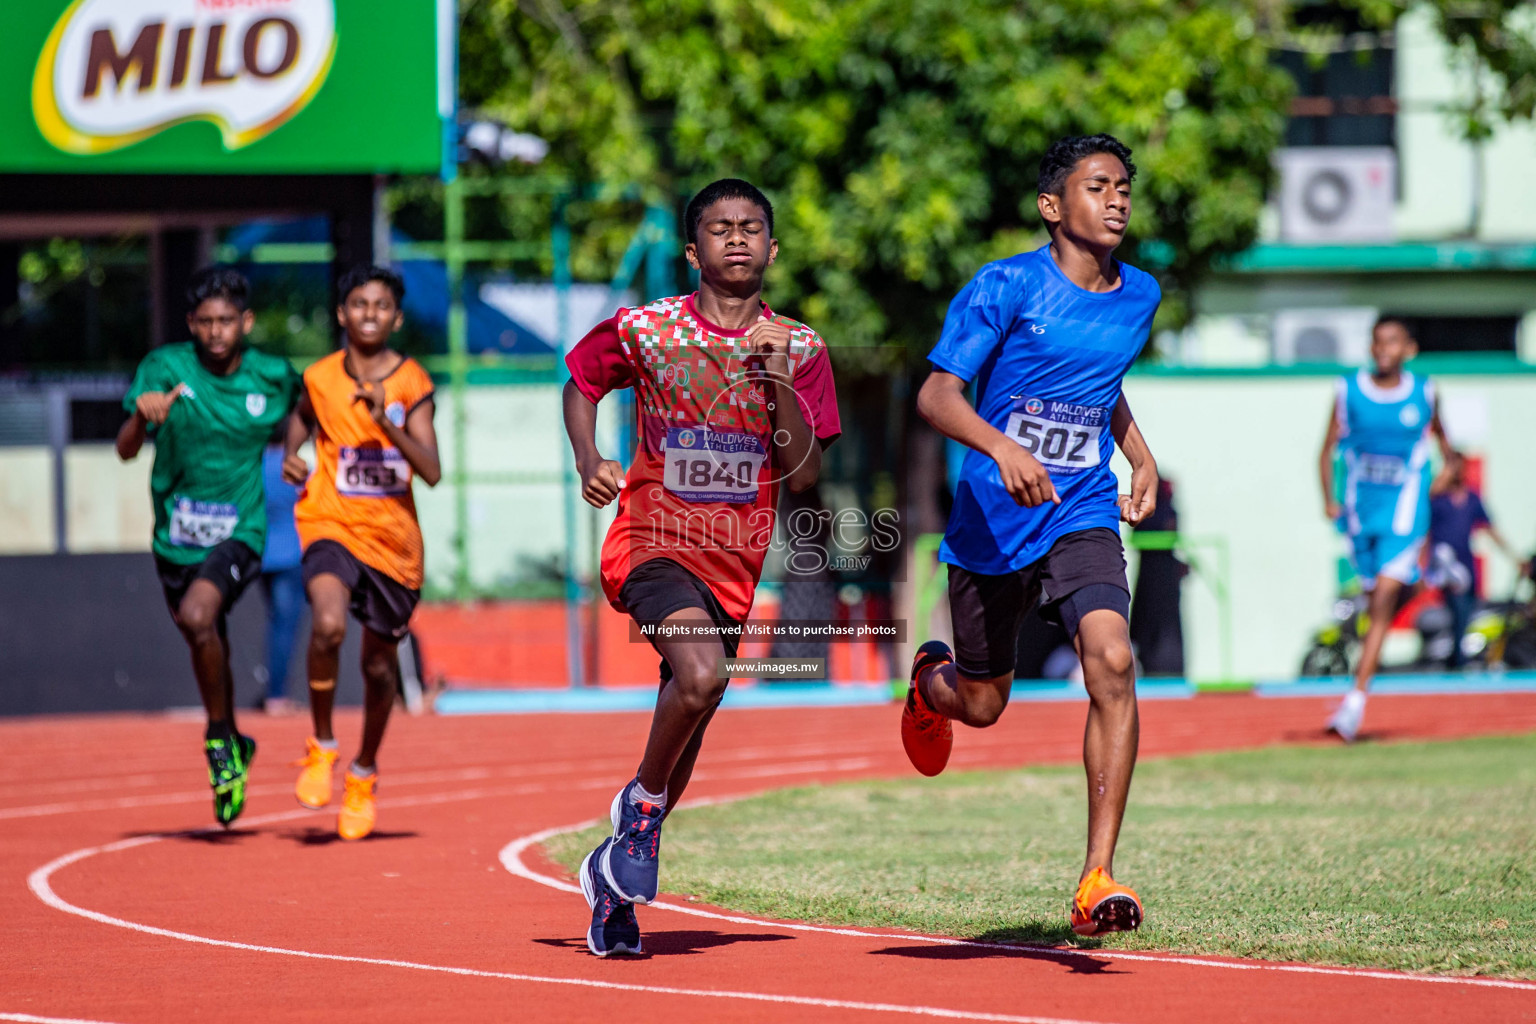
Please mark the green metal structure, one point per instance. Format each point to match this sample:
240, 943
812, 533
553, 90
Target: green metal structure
651, 247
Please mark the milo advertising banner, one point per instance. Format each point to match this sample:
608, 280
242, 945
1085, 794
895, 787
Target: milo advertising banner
248, 86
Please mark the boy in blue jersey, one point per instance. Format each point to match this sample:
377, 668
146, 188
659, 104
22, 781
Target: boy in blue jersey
1047, 337
1381, 423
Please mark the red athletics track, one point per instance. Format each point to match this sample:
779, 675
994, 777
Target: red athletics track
277, 922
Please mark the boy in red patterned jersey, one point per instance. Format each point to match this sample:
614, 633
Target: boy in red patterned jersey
733, 399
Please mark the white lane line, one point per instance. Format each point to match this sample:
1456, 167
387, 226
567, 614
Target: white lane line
472, 774
267, 789
27, 1018
769, 771
39, 881
511, 857
175, 769
119, 803
95, 784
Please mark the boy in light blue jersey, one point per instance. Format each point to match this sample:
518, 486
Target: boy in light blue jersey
1381, 424
1047, 337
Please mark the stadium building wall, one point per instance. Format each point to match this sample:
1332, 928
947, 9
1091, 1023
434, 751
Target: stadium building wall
1241, 449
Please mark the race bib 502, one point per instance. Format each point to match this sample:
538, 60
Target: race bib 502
713, 465
1060, 435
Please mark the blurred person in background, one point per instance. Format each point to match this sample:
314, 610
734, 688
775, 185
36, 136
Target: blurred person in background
1382, 420
1157, 617
1455, 511
282, 580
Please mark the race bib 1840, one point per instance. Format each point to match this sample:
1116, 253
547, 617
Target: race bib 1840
372, 472
713, 465
202, 524
1060, 435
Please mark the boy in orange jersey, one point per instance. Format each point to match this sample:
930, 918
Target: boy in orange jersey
370, 410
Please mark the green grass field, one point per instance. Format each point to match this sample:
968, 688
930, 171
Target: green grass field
1409, 856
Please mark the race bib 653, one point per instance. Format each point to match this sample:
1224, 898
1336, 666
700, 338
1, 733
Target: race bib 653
371, 472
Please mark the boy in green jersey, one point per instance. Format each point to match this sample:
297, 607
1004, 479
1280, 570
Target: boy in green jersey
210, 405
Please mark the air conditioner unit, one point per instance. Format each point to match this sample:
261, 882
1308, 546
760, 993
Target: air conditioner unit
1337, 193
1323, 335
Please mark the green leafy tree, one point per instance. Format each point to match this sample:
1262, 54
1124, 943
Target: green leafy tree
899, 139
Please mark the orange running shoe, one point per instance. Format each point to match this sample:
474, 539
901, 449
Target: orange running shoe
314, 786
358, 810
927, 736
1102, 906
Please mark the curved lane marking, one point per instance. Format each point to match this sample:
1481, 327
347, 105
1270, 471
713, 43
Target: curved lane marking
473, 774
40, 882
511, 857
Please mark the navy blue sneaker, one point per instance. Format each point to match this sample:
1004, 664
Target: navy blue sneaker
630, 864
613, 928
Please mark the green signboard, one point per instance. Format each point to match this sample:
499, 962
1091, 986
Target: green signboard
225, 86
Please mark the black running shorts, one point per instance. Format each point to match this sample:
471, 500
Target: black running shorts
379, 601
661, 587
1083, 572
230, 566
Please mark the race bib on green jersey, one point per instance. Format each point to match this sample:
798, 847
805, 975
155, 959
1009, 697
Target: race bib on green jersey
372, 472
1061, 436
202, 524
713, 465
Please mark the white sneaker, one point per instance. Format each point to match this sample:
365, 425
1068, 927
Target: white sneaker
1346, 720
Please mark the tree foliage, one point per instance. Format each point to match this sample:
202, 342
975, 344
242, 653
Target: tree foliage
899, 139
1497, 38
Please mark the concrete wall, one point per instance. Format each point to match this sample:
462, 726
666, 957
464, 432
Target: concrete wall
26, 501
91, 633
1448, 191
1241, 448
1438, 168
513, 526
515, 521
1242, 451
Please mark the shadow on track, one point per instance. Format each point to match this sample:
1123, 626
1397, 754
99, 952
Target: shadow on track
1027, 941
674, 943
1328, 738
314, 836
208, 836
